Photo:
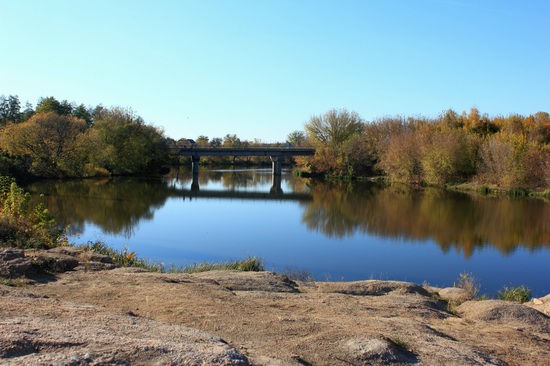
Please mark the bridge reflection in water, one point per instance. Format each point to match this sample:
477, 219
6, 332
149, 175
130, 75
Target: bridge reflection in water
275, 192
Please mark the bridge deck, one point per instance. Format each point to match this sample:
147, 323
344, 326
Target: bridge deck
246, 151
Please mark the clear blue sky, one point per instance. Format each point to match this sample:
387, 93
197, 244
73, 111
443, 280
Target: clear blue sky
260, 68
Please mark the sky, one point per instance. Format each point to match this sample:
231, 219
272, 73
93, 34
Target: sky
261, 69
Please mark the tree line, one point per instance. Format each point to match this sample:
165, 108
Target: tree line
63, 139
504, 151
60, 139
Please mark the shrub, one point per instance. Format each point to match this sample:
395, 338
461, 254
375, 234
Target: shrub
520, 294
469, 283
22, 227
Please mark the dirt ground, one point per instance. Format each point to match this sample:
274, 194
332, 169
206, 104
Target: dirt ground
262, 318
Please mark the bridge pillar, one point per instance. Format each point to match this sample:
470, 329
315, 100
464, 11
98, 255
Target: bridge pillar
195, 183
276, 189
195, 159
277, 162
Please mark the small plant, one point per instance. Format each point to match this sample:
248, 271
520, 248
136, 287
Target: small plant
295, 274
468, 282
248, 264
123, 258
520, 294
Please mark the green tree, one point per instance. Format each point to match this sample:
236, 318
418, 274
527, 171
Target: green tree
202, 141
231, 141
334, 127
83, 113
296, 138
124, 144
50, 104
10, 109
216, 142
50, 141
28, 112
448, 155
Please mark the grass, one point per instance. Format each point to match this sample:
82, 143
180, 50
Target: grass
16, 282
248, 264
126, 258
469, 283
520, 294
296, 274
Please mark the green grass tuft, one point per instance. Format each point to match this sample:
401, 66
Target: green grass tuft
520, 294
126, 258
248, 264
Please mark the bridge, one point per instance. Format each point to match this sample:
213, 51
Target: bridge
276, 154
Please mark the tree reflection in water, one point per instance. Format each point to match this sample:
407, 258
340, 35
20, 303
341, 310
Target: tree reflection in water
458, 221
454, 220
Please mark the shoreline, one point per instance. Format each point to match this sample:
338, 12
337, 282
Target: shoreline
254, 318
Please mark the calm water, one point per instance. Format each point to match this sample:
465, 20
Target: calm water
334, 231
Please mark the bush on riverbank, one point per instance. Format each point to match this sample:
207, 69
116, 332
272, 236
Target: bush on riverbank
22, 226
508, 153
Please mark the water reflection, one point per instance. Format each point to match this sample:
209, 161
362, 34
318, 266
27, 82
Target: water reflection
337, 209
453, 220
115, 205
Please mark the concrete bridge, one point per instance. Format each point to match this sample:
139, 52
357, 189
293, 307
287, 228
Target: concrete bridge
276, 154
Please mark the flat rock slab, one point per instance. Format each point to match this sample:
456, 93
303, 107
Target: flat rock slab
265, 316
44, 331
250, 281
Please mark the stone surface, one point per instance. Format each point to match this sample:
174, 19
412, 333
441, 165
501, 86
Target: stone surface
131, 316
381, 351
250, 281
541, 304
372, 288
454, 294
499, 311
45, 331
13, 262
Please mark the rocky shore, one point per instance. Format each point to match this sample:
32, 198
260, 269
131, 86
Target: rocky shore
69, 307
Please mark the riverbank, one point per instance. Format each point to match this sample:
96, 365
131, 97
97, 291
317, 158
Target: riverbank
96, 313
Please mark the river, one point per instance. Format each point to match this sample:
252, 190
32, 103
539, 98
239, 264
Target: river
337, 231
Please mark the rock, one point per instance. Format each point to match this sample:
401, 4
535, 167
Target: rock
454, 294
541, 304
372, 288
85, 334
505, 312
250, 281
380, 351
52, 262
13, 262
72, 251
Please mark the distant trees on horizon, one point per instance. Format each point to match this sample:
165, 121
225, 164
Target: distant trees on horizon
504, 151
63, 139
